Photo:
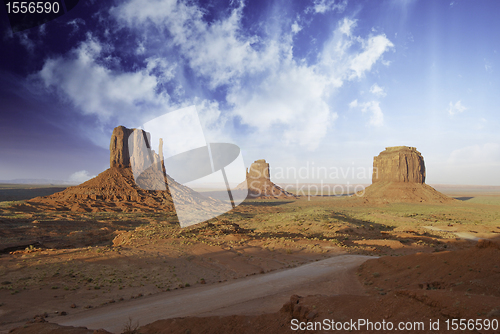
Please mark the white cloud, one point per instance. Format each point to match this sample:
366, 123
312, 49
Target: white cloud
336, 49
346, 26
266, 87
373, 107
485, 154
372, 51
294, 97
217, 51
263, 85
80, 177
296, 27
341, 58
377, 90
456, 108
323, 6
97, 90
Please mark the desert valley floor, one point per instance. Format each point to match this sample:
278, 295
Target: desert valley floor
427, 264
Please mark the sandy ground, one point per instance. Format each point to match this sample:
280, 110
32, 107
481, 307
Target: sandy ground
248, 296
64, 265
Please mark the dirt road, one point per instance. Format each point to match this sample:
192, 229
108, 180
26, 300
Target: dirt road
252, 295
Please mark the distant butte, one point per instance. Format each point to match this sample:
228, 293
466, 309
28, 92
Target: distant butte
259, 184
399, 176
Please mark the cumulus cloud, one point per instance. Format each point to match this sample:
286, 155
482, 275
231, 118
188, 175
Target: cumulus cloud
293, 96
456, 108
265, 86
254, 76
80, 177
217, 51
323, 6
377, 90
98, 90
372, 107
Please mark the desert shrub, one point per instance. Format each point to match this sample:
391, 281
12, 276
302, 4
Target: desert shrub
130, 327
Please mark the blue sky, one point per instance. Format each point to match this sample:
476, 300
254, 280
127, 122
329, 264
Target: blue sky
311, 84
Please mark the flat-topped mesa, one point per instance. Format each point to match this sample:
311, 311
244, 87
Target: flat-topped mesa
399, 164
258, 169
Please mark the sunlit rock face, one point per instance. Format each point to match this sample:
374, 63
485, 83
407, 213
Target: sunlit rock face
131, 148
118, 147
399, 164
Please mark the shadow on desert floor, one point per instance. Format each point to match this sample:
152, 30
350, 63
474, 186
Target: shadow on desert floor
466, 198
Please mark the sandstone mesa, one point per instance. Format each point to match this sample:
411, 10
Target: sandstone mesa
399, 176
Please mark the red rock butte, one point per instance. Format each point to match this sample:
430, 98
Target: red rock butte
259, 184
399, 176
116, 189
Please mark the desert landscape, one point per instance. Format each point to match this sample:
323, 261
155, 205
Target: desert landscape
207, 166
108, 256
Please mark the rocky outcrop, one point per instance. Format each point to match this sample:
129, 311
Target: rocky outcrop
259, 185
135, 182
399, 164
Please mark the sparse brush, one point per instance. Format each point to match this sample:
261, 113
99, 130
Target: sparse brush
130, 327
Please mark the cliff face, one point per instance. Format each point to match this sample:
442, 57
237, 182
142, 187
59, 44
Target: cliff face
131, 148
399, 164
118, 147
